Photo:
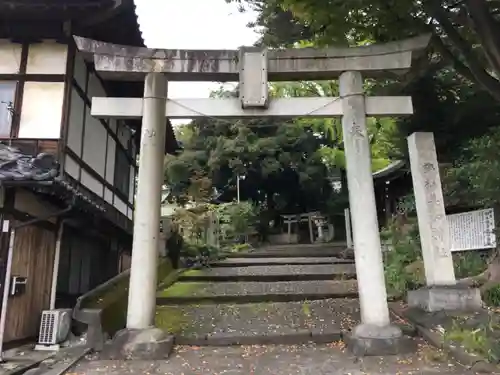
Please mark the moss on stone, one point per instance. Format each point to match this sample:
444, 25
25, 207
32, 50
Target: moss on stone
181, 289
114, 300
194, 273
171, 319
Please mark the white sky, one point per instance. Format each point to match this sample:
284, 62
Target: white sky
193, 24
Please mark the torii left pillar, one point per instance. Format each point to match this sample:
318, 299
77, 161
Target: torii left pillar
141, 339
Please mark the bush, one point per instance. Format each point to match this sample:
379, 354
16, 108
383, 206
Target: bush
234, 219
491, 296
403, 265
469, 263
237, 219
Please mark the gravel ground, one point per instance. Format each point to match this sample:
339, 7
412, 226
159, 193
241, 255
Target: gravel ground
259, 318
278, 360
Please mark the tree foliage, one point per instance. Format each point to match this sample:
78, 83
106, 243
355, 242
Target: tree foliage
286, 166
466, 32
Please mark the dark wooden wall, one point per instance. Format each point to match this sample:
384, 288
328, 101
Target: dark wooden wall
33, 257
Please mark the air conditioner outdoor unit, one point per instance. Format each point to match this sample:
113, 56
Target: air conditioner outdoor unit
55, 327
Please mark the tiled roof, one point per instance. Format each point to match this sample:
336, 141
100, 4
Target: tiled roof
39, 173
120, 27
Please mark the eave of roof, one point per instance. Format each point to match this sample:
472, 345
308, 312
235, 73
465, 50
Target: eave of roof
391, 169
111, 20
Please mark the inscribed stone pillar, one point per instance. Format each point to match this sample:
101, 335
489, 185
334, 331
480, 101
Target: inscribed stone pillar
143, 272
432, 223
368, 254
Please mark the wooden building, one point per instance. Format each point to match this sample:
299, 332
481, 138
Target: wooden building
75, 201
391, 184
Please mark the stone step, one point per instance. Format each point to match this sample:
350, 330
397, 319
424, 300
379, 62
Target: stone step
259, 323
295, 272
255, 292
295, 250
248, 262
295, 253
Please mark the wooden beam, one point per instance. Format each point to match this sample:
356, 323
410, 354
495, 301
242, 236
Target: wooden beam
131, 108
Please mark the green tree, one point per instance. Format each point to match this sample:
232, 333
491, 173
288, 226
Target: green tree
466, 33
286, 164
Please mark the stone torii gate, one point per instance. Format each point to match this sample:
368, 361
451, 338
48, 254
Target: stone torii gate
254, 67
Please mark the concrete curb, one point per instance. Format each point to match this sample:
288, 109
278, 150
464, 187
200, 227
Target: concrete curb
293, 338
473, 362
257, 298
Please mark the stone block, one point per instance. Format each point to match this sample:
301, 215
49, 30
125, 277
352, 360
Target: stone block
283, 239
369, 340
95, 336
140, 344
451, 298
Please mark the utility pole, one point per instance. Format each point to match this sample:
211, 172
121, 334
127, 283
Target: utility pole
238, 187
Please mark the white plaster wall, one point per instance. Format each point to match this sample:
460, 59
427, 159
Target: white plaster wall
75, 126
80, 71
110, 161
47, 58
91, 183
120, 205
10, 57
108, 196
94, 143
72, 167
42, 110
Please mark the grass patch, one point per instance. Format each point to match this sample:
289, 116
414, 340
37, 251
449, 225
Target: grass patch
477, 337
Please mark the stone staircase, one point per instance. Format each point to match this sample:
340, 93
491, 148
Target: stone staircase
274, 295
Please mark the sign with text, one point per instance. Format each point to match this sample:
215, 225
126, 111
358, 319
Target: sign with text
473, 230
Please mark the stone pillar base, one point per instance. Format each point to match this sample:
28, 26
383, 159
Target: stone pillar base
439, 298
369, 340
146, 344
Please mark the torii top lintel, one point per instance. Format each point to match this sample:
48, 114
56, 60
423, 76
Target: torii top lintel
133, 63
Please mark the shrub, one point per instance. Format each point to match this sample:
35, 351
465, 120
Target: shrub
403, 264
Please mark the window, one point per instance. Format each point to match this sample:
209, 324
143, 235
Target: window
7, 93
122, 171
